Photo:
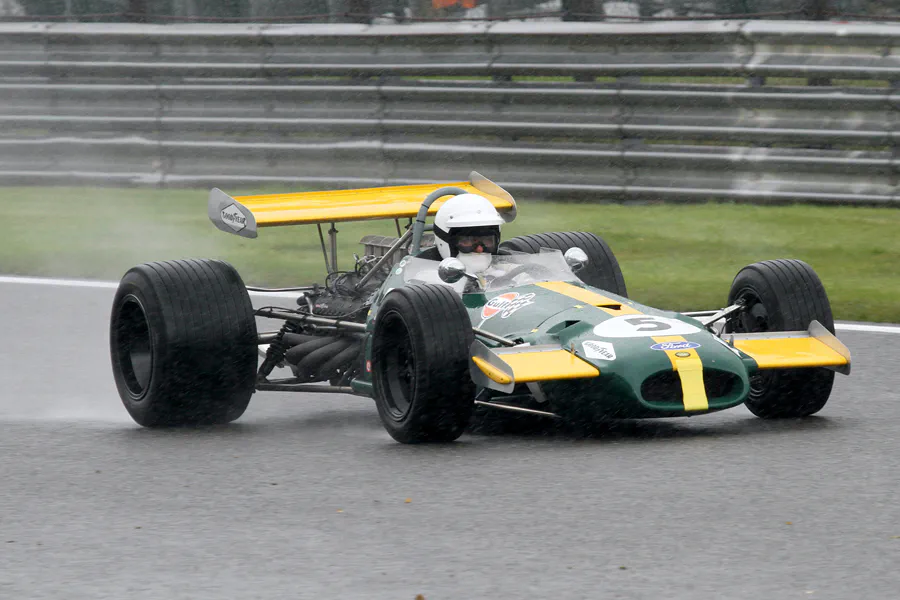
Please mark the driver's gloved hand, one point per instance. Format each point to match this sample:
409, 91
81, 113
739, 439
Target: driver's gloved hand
471, 287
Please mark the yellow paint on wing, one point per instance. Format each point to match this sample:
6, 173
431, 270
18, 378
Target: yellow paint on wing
783, 353
608, 305
351, 205
690, 371
547, 365
491, 371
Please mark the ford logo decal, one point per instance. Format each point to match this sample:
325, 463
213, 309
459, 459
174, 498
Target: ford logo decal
674, 346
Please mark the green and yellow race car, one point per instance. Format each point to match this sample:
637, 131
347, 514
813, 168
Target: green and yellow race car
445, 317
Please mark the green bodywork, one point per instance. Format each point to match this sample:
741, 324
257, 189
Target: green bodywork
551, 317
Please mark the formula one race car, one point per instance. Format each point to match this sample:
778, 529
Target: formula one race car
544, 326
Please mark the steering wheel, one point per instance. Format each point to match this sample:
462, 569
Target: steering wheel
536, 271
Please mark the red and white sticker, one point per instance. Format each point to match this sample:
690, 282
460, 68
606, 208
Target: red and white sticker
368, 366
506, 304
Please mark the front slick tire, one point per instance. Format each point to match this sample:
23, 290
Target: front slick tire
183, 343
783, 295
420, 364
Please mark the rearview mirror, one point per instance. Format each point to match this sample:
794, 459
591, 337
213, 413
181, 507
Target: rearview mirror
451, 270
576, 258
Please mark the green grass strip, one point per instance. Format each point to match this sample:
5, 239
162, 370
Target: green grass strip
679, 257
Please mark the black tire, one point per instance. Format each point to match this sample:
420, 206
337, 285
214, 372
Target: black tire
602, 270
783, 295
420, 364
183, 343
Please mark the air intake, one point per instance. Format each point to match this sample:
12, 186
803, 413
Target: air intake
665, 386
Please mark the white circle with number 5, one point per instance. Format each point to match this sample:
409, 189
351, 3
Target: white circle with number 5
633, 326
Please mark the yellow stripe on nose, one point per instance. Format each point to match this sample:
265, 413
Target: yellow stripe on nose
608, 305
690, 370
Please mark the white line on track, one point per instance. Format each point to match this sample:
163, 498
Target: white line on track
868, 328
102, 285
83, 283
111, 285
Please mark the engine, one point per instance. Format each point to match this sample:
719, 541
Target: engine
321, 353
332, 358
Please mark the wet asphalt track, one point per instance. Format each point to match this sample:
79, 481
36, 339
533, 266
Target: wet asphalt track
306, 497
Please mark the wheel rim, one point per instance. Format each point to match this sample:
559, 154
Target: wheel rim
753, 319
398, 364
134, 347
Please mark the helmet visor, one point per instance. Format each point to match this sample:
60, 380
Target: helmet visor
486, 243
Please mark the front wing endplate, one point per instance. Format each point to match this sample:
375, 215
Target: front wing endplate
816, 347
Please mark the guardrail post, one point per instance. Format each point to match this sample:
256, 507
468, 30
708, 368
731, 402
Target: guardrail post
350, 11
816, 10
496, 9
645, 8
359, 11
578, 10
893, 121
399, 9
756, 81
137, 11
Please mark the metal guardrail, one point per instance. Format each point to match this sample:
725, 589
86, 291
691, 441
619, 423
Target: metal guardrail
339, 105
394, 11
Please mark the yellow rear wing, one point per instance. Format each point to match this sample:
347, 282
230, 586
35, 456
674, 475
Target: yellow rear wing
816, 347
243, 215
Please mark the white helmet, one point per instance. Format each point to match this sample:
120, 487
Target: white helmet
467, 226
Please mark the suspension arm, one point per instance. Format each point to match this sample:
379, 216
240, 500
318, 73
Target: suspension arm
300, 319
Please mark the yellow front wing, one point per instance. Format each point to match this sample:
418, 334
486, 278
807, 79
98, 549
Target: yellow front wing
502, 368
816, 347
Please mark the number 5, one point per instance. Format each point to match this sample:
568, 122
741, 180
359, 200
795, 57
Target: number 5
647, 324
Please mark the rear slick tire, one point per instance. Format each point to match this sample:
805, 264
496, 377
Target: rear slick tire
420, 364
602, 270
183, 343
782, 295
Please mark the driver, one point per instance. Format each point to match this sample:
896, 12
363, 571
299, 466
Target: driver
467, 227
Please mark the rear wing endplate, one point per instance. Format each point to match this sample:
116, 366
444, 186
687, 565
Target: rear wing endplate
229, 215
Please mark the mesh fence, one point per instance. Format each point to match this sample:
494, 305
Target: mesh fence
416, 10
